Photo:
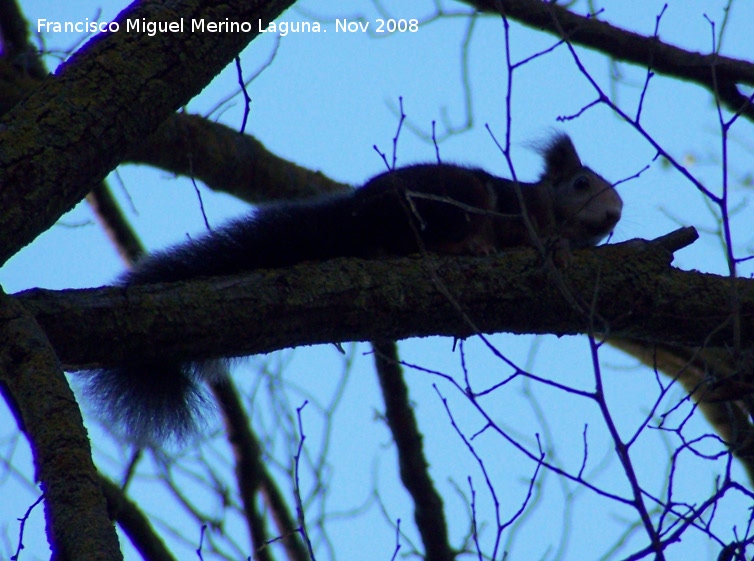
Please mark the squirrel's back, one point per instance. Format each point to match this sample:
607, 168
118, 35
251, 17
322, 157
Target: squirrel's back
420, 207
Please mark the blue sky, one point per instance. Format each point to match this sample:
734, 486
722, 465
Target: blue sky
323, 103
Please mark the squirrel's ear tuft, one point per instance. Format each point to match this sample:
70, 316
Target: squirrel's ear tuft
561, 159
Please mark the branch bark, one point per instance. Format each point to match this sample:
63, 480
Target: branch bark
636, 292
116, 90
721, 75
77, 522
409, 443
134, 523
227, 161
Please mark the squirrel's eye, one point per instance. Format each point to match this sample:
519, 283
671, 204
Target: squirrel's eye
581, 183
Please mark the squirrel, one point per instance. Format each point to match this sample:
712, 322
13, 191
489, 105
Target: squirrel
442, 208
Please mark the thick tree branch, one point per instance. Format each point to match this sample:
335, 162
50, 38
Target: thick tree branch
193, 146
77, 522
637, 294
409, 442
228, 161
80, 123
134, 523
719, 74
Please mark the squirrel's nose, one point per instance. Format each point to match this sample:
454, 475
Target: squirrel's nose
612, 215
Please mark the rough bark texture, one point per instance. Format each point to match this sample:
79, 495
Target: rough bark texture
77, 524
636, 293
228, 161
116, 90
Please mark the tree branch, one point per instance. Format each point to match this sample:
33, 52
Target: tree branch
134, 523
228, 161
79, 124
719, 74
710, 378
254, 479
414, 468
636, 292
52, 423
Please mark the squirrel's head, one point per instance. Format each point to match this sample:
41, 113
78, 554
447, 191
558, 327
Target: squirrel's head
586, 207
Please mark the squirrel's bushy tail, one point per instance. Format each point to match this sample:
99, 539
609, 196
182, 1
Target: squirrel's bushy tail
152, 402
